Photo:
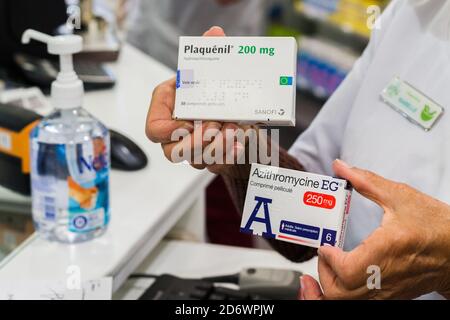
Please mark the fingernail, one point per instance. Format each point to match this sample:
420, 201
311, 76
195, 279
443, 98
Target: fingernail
304, 285
188, 126
232, 127
300, 292
343, 163
213, 125
183, 131
319, 252
198, 124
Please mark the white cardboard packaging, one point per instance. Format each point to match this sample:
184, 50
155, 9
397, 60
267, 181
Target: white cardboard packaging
237, 79
295, 206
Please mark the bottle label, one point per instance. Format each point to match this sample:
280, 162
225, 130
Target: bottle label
70, 184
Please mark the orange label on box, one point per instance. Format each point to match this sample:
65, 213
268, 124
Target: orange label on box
320, 200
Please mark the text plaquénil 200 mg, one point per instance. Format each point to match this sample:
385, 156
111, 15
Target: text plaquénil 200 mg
237, 79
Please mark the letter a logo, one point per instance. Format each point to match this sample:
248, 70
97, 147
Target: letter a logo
266, 220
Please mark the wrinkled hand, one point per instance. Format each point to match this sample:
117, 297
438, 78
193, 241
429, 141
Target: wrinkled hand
411, 247
160, 126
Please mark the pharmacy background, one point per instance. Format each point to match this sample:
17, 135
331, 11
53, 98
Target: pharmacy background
226, 150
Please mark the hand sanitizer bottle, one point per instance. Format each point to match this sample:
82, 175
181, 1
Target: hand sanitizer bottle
70, 156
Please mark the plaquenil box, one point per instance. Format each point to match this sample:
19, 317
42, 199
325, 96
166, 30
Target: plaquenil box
295, 206
237, 79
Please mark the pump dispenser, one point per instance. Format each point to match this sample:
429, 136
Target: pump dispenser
67, 90
70, 156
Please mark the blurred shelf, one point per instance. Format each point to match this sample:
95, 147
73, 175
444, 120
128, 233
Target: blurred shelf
328, 26
346, 28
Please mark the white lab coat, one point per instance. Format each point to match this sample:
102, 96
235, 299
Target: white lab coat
356, 126
157, 24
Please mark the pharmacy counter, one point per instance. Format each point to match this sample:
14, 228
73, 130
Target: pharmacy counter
221, 260
145, 204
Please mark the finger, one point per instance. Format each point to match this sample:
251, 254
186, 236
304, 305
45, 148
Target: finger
300, 290
335, 259
351, 267
237, 142
190, 148
332, 286
350, 272
238, 150
159, 124
327, 276
310, 288
214, 32
238, 155
369, 184
204, 136
224, 149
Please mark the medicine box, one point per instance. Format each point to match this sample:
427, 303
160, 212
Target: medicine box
295, 206
237, 79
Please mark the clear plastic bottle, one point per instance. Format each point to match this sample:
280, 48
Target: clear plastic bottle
70, 156
70, 176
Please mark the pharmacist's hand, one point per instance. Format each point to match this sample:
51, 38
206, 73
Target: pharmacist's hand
187, 140
411, 248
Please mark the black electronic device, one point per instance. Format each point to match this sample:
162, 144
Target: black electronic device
168, 287
252, 284
42, 72
125, 154
18, 15
31, 64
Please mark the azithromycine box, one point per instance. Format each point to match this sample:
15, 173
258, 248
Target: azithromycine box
237, 79
296, 206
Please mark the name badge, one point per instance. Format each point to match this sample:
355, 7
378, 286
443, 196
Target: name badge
412, 104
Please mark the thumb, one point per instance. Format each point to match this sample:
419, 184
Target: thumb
214, 32
334, 257
310, 288
339, 270
367, 183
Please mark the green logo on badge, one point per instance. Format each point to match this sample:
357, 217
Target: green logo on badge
393, 90
426, 114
